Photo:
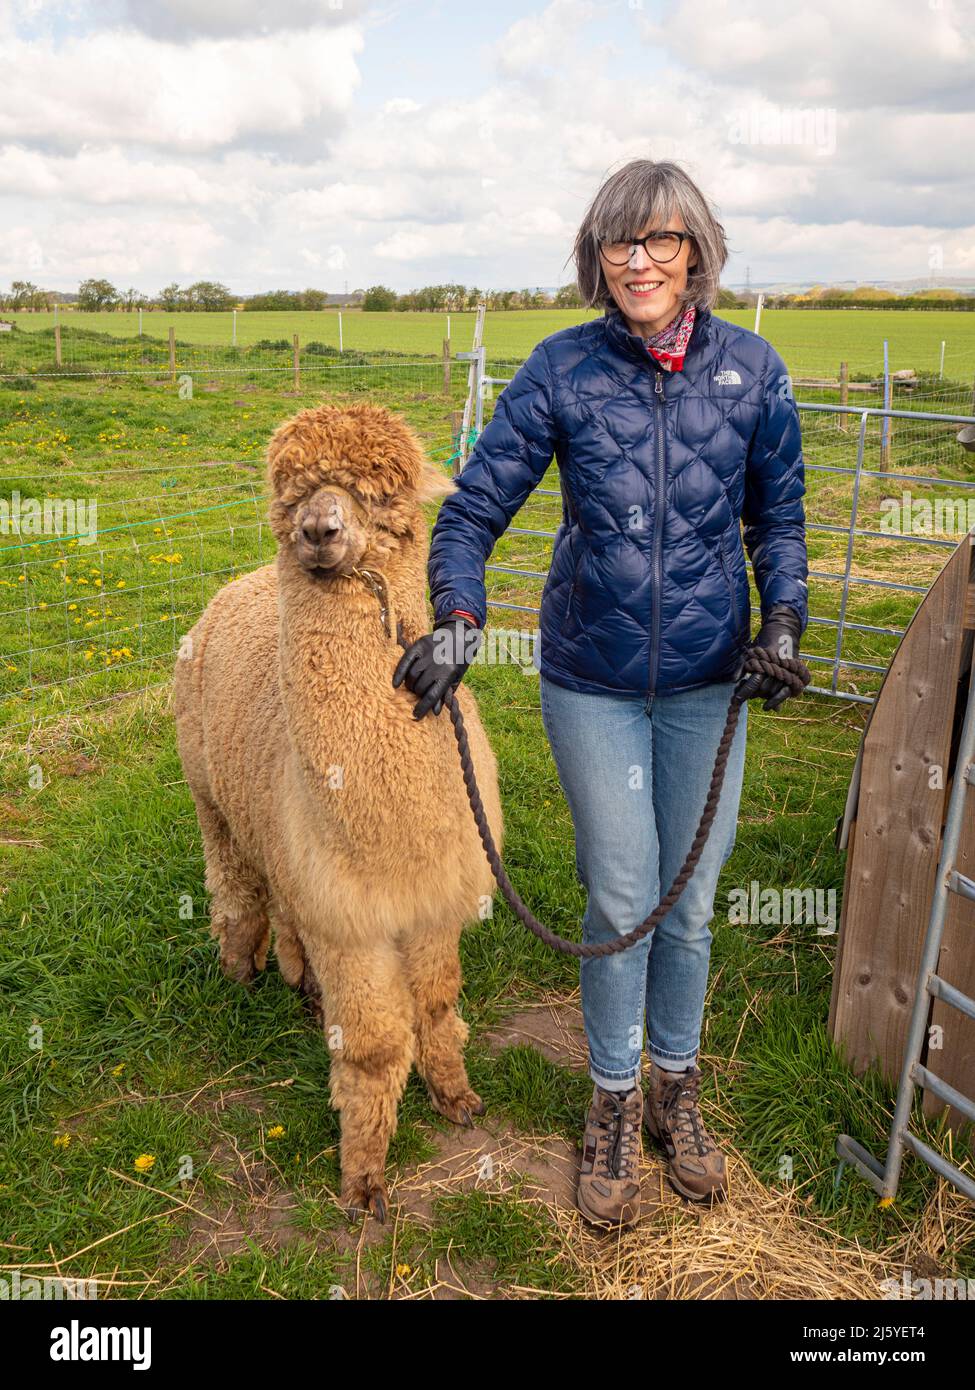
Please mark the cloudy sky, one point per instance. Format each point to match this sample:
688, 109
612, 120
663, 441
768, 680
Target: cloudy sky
407, 142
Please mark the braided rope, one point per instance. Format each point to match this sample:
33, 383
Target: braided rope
758, 663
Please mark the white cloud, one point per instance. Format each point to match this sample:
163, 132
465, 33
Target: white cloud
201, 96
265, 154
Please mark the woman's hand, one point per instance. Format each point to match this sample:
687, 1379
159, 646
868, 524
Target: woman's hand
438, 662
779, 636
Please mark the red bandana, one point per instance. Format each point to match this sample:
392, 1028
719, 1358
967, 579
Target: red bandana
670, 344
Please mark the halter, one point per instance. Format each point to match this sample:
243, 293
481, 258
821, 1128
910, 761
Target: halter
374, 580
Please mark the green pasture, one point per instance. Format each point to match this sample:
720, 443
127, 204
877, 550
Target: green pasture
146, 1057
812, 341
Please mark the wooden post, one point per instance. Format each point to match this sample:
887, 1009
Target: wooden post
888, 419
844, 394
172, 353
446, 366
57, 344
297, 368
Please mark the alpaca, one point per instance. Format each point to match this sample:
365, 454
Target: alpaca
328, 813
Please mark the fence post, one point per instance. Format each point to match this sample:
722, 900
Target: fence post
446, 366
341, 342
941, 368
844, 393
172, 353
888, 423
57, 344
297, 368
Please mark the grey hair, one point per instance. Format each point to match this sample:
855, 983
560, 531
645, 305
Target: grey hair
647, 191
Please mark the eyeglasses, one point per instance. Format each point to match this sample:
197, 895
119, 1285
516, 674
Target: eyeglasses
666, 246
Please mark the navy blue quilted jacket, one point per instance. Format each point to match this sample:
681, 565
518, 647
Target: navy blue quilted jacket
663, 475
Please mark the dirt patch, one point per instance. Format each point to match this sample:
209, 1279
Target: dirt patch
553, 1027
77, 765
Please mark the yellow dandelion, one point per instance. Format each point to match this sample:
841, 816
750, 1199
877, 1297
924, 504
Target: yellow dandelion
42, 605
144, 1163
403, 1270
72, 607
117, 1071
276, 1132
61, 1141
120, 584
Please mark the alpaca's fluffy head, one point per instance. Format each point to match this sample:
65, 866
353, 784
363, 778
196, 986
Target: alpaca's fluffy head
347, 485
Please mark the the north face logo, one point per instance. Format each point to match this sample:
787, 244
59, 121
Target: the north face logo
728, 378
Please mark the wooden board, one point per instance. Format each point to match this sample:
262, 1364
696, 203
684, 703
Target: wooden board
954, 1060
893, 827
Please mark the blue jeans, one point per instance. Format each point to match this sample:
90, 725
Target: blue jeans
635, 772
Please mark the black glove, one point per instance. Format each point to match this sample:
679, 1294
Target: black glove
437, 662
779, 636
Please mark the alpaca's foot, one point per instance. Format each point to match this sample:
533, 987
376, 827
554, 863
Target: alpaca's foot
240, 962
458, 1106
365, 1194
244, 943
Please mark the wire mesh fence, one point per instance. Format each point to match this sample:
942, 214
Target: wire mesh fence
91, 613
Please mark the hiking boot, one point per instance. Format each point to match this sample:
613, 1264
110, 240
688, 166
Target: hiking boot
609, 1177
673, 1119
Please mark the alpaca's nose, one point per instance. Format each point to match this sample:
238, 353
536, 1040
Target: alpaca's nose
320, 526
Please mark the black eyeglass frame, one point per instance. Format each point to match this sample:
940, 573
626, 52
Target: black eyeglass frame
642, 241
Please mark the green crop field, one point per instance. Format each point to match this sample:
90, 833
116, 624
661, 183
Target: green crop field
812, 341
149, 1057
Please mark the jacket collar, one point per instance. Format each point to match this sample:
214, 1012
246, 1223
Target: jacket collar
625, 341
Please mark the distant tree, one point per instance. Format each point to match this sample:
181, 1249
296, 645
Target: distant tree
24, 294
273, 301
568, 297
379, 299
94, 295
133, 299
171, 297
314, 299
210, 296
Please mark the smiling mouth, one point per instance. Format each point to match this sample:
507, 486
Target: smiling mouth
643, 289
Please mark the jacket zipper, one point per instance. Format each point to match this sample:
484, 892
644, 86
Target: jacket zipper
660, 502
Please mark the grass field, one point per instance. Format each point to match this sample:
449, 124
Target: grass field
812, 341
168, 1133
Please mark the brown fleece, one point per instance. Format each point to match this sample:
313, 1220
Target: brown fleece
327, 811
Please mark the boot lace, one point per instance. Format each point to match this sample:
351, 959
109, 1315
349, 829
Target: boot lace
616, 1156
684, 1121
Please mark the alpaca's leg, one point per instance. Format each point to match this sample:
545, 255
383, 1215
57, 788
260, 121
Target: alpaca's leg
369, 1029
238, 898
433, 970
292, 960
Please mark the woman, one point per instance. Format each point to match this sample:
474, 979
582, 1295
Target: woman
671, 430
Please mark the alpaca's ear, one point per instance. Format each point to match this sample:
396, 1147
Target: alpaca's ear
434, 483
